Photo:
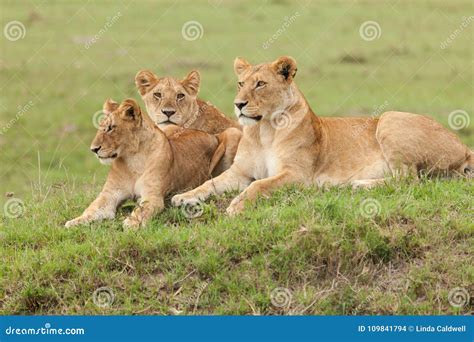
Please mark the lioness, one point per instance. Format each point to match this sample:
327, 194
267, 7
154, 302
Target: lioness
173, 102
146, 163
284, 142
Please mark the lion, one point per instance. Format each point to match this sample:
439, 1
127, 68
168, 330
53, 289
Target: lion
146, 163
284, 142
174, 102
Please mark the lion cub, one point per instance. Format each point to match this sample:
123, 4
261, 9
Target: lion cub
146, 163
174, 102
171, 102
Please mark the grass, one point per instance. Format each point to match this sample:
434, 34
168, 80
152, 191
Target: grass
316, 243
322, 245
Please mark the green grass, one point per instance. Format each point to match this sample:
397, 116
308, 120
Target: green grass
317, 243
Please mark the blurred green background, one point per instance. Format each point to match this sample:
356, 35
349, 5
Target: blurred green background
53, 78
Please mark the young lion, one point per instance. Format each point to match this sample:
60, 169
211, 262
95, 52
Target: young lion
172, 102
284, 142
146, 163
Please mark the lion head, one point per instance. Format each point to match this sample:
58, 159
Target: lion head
263, 89
169, 101
118, 132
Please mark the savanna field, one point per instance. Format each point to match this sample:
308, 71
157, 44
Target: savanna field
406, 247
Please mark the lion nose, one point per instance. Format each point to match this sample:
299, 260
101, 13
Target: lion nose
241, 105
95, 149
168, 112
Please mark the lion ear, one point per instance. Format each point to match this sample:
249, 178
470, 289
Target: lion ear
109, 106
130, 110
191, 83
240, 65
286, 67
145, 80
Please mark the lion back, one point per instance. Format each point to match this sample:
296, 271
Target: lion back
193, 152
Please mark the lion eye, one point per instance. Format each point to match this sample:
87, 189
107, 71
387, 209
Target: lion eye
180, 96
241, 84
260, 84
110, 128
157, 95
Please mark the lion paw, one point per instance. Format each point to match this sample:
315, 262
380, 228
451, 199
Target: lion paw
179, 200
131, 223
75, 222
236, 206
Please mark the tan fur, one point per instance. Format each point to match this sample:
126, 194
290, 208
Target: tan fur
146, 163
285, 143
161, 95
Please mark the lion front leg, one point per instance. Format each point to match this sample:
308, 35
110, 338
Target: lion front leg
103, 207
229, 180
144, 211
260, 187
